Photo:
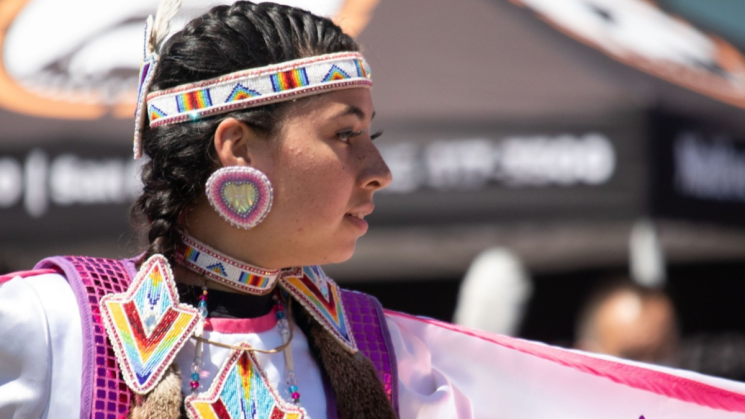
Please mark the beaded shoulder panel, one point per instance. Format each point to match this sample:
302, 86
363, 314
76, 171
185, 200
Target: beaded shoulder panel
355, 319
320, 295
373, 338
147, 325
104, 393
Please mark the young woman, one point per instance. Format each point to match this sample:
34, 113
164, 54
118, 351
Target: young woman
257, 122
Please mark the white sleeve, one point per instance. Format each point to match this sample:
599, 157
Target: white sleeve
25, 367
447, 371
66, 343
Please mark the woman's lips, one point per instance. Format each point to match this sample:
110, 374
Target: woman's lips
357, 219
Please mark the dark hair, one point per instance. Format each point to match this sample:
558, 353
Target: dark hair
224, 40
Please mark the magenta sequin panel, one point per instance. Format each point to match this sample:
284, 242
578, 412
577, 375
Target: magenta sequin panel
105, 395
373, 338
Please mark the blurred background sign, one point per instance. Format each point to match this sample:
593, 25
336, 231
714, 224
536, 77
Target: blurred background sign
80, 59
546, 127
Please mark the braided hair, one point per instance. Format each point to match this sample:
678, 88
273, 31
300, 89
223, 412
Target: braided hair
224, 40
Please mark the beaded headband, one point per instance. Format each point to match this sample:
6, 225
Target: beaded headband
251, 88
259, 86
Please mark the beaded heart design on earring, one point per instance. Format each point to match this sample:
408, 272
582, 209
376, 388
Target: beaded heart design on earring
241, 195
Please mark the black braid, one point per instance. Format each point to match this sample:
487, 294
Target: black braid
222, 41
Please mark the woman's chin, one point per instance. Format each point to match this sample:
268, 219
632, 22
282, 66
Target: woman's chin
339, 255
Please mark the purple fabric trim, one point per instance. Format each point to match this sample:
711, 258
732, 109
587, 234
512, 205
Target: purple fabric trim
373, 338
76, 283
131, 266
104, 395
331, 412
393, 364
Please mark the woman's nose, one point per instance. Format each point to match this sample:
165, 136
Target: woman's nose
375, 174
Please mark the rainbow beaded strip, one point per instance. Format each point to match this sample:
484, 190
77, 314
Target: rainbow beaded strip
146, 325
206, 261
320, 295
147, 69
259, 86
241, 390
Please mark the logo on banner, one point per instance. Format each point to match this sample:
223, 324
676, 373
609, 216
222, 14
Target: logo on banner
640, 34
75, 59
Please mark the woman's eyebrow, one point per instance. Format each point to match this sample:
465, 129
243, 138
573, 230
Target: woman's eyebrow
353, 110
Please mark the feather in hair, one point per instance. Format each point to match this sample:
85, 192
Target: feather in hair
167, 9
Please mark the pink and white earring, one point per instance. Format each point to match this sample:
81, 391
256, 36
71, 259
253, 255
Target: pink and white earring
241, 195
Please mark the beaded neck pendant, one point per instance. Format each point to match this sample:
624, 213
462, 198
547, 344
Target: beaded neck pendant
241, 390
204, 260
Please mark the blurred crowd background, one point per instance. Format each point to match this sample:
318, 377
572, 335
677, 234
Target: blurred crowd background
571, 171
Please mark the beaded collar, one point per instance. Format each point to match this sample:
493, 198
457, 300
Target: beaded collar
308, 285
204, 260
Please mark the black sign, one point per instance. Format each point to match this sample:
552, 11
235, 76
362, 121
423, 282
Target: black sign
505, 172
698, 170
66, 192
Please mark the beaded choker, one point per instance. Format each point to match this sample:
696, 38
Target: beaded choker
206, 261
308, 285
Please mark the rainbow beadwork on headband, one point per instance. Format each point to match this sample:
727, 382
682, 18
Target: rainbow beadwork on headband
206, 261
258, 86
146, 325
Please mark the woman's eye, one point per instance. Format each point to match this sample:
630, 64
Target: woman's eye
348, 135
376, 135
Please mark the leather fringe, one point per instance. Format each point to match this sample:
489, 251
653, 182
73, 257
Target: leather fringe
165, 401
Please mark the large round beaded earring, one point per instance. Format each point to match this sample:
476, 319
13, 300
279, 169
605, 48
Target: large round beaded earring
241, 195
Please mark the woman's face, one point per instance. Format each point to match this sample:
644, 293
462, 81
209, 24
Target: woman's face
324, 169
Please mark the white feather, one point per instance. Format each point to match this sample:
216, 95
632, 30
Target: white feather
647, 257
167, 9
494, 293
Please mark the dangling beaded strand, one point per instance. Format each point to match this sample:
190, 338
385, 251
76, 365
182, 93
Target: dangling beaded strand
203, 303
283, 325
196, 366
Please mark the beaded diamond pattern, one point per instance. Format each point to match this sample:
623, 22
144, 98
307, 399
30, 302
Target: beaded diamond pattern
146, 325
321, 296
241, 391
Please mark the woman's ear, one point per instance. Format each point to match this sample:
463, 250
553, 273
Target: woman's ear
233, 140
